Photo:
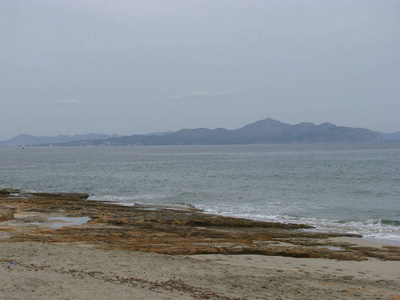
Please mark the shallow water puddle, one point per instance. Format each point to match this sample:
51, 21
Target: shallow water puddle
69, 221
332, 248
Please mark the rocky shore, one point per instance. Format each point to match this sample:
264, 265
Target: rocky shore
70, 221
167, 229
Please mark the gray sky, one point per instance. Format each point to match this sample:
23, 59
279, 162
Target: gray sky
139, 66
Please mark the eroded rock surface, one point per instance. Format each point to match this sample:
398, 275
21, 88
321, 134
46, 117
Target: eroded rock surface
6, 214
181, 230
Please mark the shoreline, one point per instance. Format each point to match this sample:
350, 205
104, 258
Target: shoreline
377, 231
172, 205
384, 241
40, 210
144, 253
366, 242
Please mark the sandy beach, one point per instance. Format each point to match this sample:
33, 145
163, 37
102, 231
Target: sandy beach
34, 267
43, 271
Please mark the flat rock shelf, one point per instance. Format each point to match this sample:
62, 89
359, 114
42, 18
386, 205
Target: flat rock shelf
175, 230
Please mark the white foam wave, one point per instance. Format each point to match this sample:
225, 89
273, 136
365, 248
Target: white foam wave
128, 201
373, 228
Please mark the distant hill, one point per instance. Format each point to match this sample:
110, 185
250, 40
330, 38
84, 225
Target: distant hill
391, 137
158, 133
261, 132
28, 140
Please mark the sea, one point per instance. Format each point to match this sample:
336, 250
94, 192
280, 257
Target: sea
336, 188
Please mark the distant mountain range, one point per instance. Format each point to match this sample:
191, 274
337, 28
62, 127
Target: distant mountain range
260, 132
29, 140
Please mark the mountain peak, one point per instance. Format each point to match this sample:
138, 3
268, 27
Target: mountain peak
263, 124
326, 125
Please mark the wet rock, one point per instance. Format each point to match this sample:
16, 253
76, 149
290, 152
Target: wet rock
9, 191
162, 205
77, 196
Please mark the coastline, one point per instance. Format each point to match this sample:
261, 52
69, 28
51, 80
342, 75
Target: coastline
157, 253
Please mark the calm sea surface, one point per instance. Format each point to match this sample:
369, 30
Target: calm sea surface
342, 188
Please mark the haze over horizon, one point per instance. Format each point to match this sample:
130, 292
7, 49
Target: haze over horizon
156, 133
135, 67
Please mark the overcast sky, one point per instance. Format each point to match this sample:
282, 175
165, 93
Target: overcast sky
139, 66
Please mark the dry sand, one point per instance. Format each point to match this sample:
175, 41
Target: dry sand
64, 271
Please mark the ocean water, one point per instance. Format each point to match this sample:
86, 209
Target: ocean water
337, 188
